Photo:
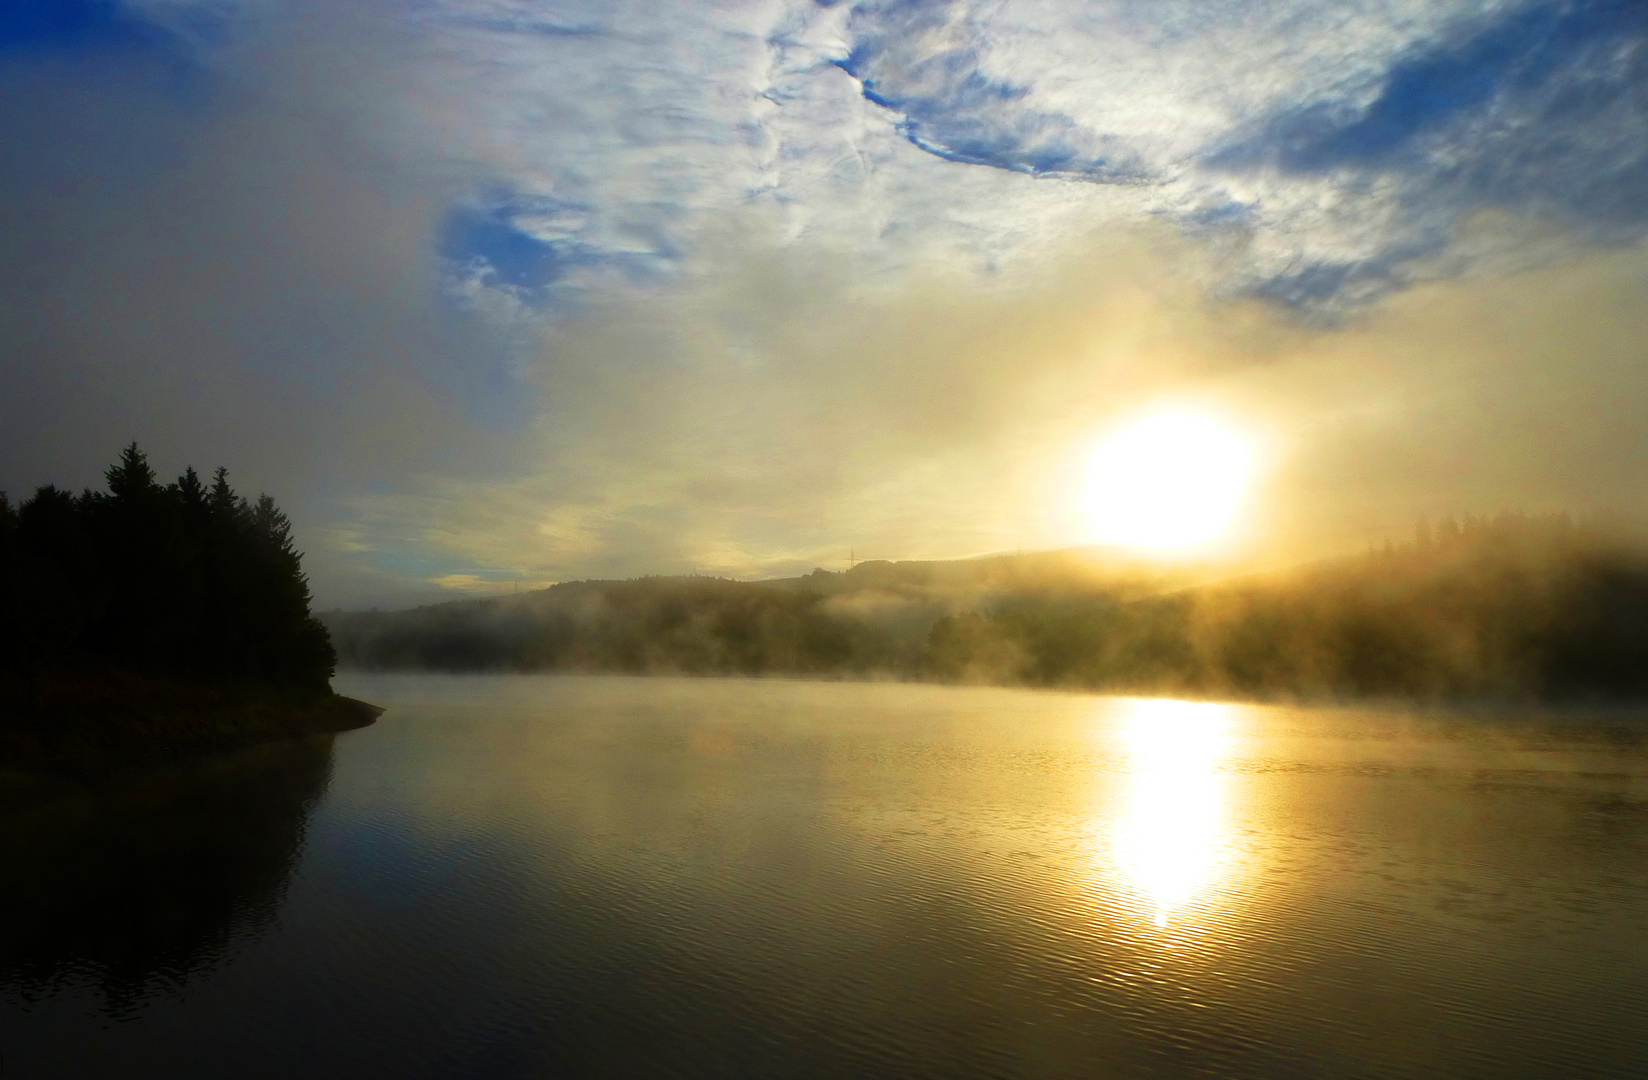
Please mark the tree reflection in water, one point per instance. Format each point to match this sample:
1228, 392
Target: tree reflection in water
139, 885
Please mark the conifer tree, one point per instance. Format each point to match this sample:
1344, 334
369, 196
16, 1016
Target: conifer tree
185, 580
191, 493
221, 502
130, 479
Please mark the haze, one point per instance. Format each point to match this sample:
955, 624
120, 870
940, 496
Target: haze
495, 294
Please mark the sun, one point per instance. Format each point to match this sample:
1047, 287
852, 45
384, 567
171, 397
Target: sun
1169, 482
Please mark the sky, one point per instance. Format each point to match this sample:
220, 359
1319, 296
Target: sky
491, 294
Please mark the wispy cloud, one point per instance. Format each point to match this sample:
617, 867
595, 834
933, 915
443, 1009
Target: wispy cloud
554, 288
1346, 140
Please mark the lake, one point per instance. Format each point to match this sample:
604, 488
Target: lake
522, 876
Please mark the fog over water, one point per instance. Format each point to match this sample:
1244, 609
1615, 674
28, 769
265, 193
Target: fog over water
548, 876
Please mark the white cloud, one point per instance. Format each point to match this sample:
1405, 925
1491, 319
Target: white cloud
618, 133
758, 303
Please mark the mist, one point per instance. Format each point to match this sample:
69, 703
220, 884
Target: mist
767, 424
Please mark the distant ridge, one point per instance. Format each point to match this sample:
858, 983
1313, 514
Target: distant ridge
1525, 607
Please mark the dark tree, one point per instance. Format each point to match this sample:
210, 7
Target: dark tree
180, 581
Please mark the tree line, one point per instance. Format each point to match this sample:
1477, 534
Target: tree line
1516, 606
186, 580
674, 625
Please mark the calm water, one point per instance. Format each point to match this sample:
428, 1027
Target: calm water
523, 876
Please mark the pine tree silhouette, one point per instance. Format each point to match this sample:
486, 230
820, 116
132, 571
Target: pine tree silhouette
130, 478
185, 581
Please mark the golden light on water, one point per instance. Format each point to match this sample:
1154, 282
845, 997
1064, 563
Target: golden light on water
1171, 835
1169, 482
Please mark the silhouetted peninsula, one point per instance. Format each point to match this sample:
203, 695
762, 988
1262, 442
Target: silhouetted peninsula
151, 618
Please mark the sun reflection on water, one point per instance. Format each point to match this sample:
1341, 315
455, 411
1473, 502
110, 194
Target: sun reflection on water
1171, 835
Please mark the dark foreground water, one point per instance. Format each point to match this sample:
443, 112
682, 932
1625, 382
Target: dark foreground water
544, 877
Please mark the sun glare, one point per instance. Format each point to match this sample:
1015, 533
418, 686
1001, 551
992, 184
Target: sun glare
1171, 841
1169, 482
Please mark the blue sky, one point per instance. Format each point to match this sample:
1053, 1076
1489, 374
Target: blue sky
498, 291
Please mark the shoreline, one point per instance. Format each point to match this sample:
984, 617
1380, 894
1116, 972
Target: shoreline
63, 752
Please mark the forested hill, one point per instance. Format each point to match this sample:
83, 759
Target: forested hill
1517, 606
871, 620
188, 583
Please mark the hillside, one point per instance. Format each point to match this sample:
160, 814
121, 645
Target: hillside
871, 620
1517, 607
1524, 607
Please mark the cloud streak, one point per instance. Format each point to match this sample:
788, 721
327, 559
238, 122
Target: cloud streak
501, 289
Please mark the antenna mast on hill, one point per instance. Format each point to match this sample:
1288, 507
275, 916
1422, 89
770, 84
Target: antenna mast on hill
850, 560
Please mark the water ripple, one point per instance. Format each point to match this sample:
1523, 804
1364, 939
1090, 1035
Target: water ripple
609, 877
